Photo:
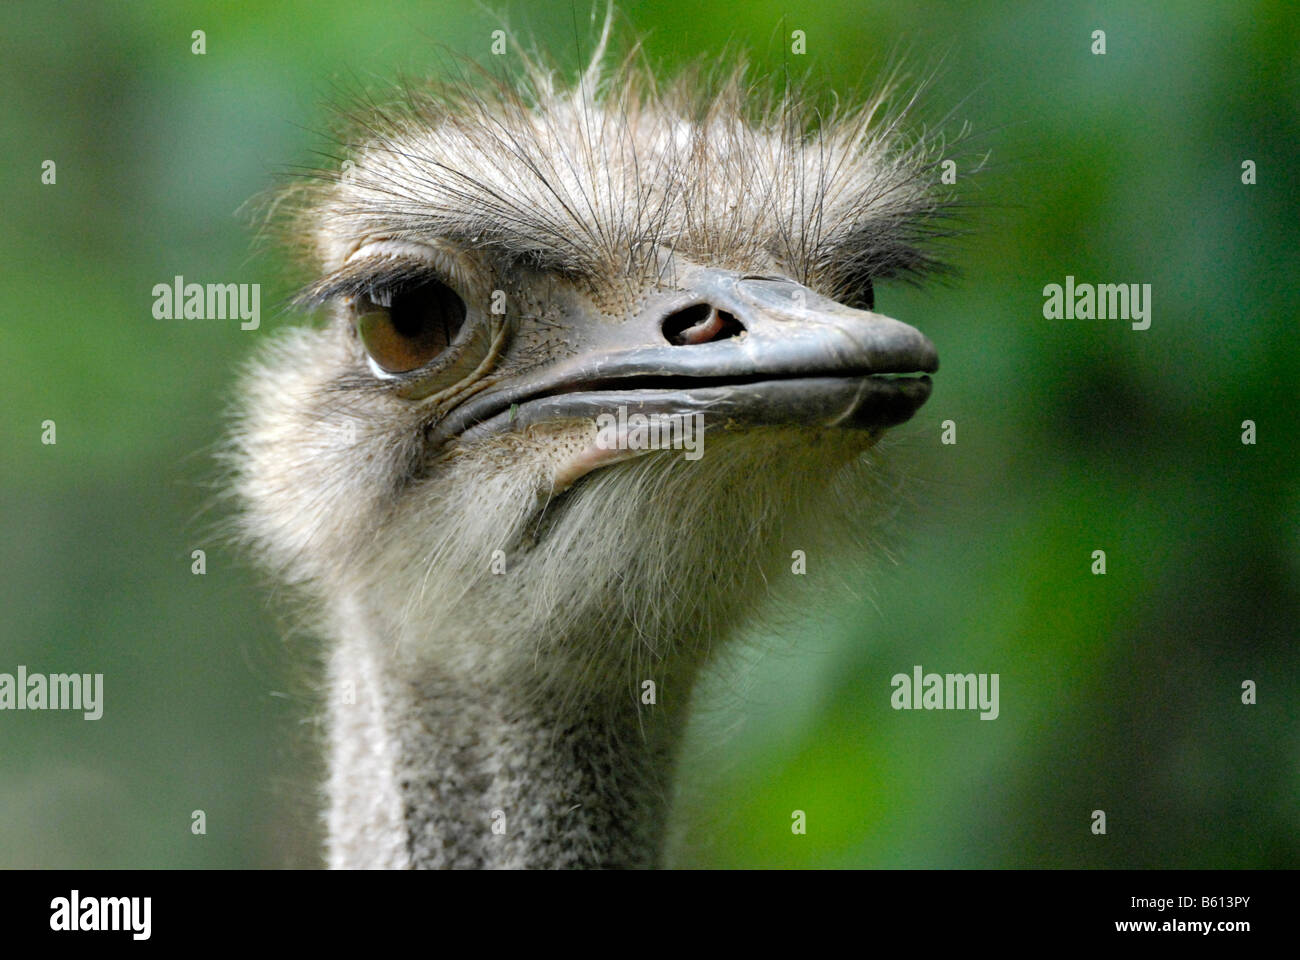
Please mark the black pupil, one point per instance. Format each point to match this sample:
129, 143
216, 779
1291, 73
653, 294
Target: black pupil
429, 313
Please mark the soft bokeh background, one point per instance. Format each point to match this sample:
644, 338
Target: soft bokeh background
1119, 692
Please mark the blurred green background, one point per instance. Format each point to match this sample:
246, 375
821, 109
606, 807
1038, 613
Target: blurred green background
1119, 693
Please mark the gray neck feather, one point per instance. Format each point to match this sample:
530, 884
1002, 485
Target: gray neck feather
435, 771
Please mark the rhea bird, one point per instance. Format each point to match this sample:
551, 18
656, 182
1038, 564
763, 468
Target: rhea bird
516, 610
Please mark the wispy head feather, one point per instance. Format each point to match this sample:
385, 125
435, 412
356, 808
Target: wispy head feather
599, 177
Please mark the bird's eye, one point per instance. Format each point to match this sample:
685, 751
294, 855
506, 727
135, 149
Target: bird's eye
405, 328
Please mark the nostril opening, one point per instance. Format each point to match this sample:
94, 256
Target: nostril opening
731, 326
678, 323
701, 323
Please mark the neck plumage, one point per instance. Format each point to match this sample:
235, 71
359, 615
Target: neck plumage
431, 770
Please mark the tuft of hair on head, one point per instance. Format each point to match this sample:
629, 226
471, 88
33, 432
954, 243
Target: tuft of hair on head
593, 177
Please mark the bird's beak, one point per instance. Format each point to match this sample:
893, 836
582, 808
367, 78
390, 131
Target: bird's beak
741, 350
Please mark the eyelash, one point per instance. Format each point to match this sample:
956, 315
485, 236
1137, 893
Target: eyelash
376, 282
377, 268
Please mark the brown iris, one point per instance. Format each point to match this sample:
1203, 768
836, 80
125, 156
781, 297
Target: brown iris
405, 328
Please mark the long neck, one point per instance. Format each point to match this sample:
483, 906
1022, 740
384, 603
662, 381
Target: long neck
434, 771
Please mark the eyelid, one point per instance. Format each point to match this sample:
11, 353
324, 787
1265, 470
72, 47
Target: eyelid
383, 265
360, 277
